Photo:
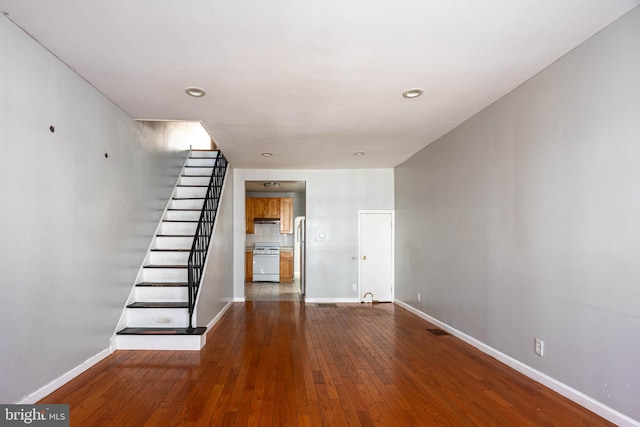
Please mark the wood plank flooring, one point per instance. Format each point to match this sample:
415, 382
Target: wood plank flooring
286, 363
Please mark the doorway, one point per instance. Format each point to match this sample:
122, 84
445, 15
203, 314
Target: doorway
273, 209
375, 265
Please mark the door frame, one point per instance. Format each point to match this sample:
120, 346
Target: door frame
393, 253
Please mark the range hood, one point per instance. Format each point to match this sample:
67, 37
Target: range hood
266, 221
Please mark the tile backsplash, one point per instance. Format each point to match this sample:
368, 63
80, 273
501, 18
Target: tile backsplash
269, 233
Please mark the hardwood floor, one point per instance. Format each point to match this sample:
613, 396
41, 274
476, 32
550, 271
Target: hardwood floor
287, 363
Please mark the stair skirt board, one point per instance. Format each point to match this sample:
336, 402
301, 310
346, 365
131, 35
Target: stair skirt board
159, 316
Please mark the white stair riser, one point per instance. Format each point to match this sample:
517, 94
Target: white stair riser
161, 275
182, 215
211, 154
193, 180
157, 317
201, 162
173, 242
168, 258
178, 228
161, 293
190, 192
160, 342
201, 171
186, 204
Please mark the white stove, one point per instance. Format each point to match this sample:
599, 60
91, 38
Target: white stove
266, 262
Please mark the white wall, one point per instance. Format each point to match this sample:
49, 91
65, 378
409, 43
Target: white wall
74, 224
524, 221
332, 202
216, 288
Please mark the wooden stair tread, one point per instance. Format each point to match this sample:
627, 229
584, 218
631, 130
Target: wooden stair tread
163, 266
159, 304
162, 284
162, 331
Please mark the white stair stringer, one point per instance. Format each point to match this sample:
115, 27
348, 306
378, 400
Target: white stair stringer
156, 316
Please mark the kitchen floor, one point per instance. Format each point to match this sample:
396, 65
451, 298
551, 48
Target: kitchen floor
266, 291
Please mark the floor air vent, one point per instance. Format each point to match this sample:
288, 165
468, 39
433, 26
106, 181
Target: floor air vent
438, 332
329, 305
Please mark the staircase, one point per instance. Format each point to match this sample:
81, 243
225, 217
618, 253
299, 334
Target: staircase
158, 315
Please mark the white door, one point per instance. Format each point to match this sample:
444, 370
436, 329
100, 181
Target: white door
376, 255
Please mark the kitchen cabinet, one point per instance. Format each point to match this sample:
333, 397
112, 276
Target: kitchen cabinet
280, 208
248, 266
286, 266
250, 214
266, 207
286, 215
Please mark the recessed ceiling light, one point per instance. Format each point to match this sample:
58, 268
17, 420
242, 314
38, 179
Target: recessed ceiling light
195, 92
359, 153
271, 184
267, 154
413, 93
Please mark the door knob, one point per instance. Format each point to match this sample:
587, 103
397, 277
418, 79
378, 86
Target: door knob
364, 257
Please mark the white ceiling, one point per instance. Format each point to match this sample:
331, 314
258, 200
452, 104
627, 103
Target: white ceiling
311, 81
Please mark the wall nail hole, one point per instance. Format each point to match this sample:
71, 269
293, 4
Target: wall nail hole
52, 129
106, 155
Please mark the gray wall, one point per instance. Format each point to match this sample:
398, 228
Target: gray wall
333, 198
74, 225
524, 221
216, 289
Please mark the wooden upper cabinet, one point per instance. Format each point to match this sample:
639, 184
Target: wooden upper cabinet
270, 208
286, 215
267, 207
250, 214
259, 208
274, 208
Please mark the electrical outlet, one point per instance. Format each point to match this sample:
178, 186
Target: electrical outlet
538, 346
354, 287
418, 296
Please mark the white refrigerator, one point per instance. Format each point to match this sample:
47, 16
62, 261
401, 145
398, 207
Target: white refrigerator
300, 244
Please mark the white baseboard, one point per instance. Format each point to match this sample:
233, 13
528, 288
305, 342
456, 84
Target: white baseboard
65, 378
578, 397
238, 299
331, 300
219, 315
